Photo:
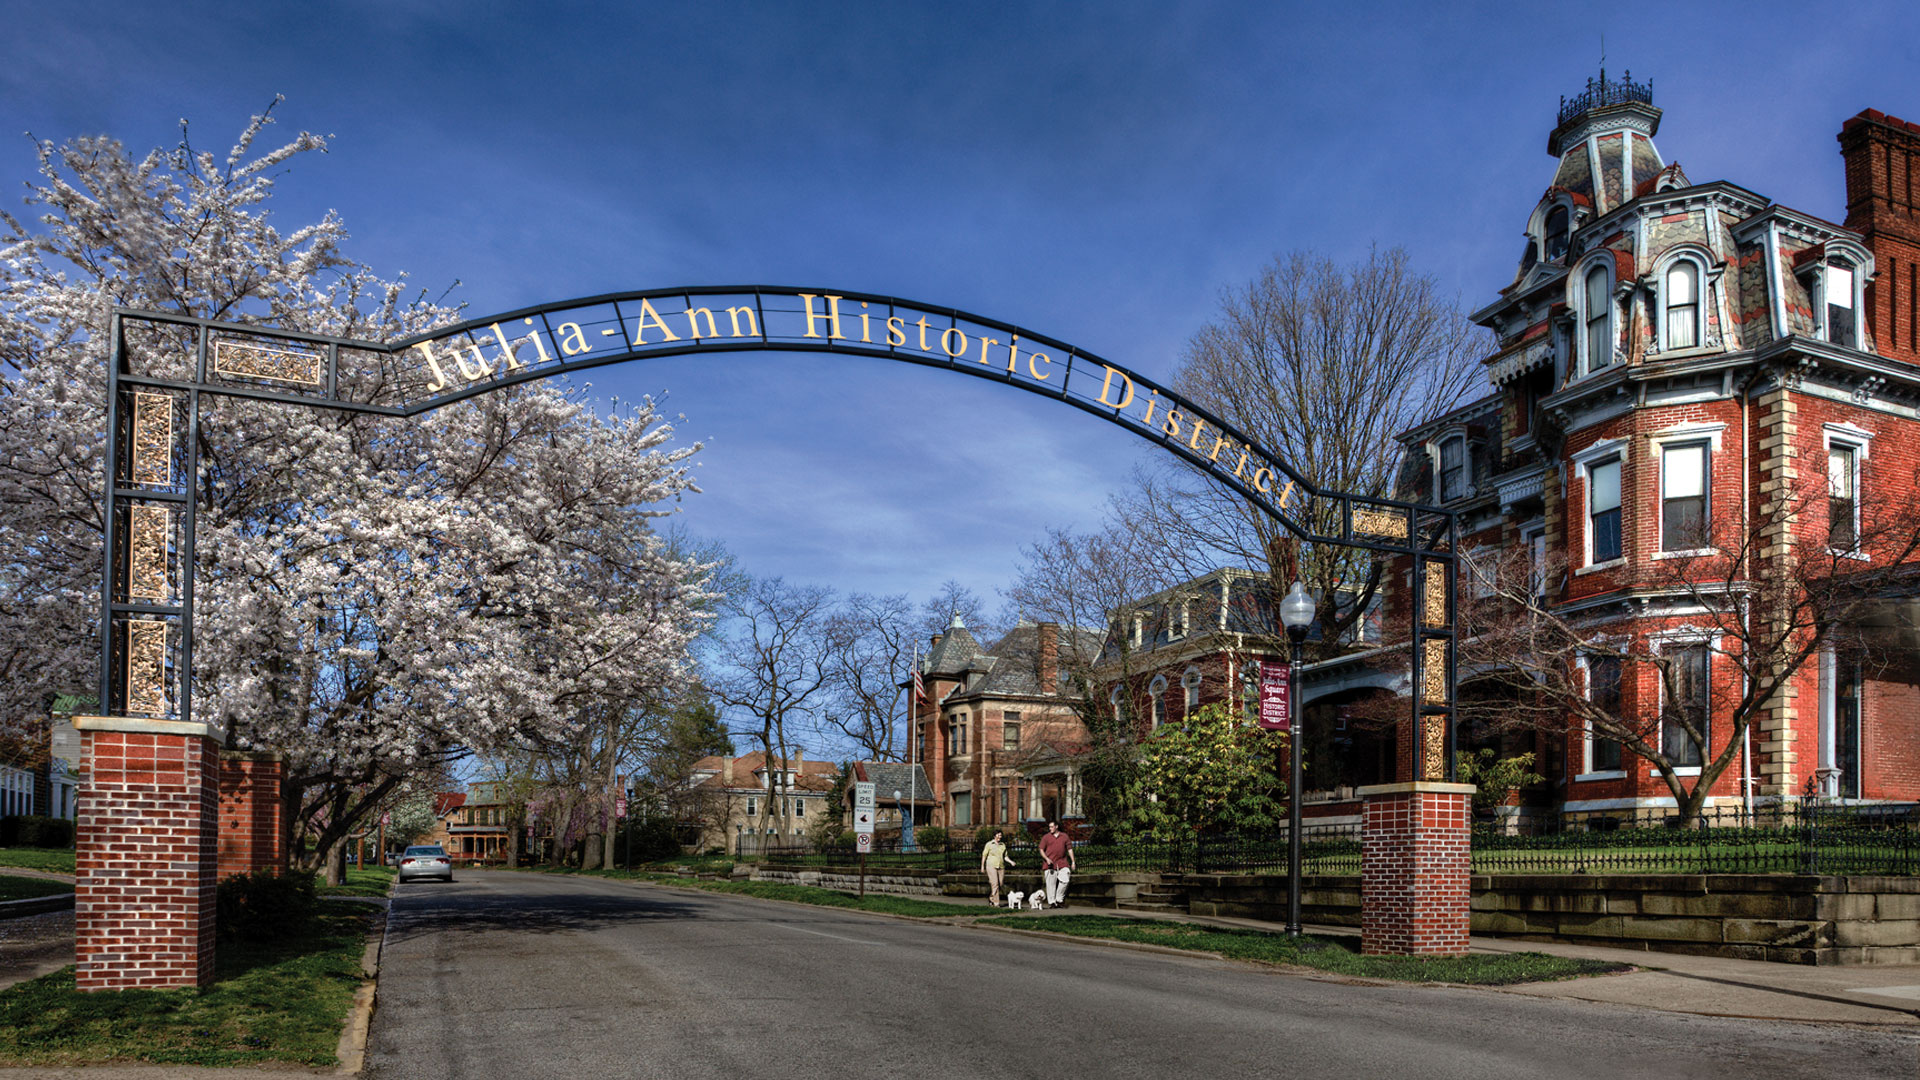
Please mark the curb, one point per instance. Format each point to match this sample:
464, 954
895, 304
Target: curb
36, 905
352, 1048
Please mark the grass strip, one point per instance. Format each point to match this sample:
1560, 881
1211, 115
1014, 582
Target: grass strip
280, 1001
24, 888
1337, 955
58, 860
362, 881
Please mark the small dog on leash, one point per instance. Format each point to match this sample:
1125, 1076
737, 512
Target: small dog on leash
1013, 900
1039, 901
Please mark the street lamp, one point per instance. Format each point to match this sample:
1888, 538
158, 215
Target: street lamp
1296, 614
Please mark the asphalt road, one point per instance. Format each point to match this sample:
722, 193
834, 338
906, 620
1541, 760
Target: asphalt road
527, 976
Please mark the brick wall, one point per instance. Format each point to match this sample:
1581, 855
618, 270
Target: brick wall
145, 860
251, 837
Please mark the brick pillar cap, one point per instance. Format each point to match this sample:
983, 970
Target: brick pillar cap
142, 726
1429, 787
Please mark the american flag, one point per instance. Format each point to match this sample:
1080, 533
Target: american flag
919, 687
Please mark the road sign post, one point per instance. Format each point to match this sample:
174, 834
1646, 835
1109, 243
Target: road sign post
863, 826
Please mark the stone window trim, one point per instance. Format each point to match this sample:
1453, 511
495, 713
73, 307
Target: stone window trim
1588, 772
1544, 231
1858, 440
1686, 637
1595, 279
1157, 693
1846, 263
1190, 682
1679, 437
1584, 461
1705, 279
1453, 439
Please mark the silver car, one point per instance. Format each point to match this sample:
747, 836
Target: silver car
426, 862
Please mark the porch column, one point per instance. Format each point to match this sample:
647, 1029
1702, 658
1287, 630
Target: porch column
1414, 869
145, 853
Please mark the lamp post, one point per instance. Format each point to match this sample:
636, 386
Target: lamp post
1296, 615
900, 812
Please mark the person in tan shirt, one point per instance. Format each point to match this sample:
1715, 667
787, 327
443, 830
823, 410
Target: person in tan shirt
993, 863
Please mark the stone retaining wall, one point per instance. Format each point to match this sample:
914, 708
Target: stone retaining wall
903, 881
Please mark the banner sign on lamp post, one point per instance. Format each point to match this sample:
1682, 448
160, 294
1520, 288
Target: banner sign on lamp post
1274, 714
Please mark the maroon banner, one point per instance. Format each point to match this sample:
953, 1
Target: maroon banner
1274, 697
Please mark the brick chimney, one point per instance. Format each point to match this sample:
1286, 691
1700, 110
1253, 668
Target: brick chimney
1879, 152
1049, 657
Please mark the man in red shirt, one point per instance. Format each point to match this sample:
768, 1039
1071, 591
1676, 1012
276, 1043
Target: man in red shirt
1056, 857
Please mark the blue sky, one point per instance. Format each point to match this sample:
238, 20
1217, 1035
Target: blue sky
1098, 172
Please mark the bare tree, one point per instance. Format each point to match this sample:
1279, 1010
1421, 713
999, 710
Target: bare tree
875, 639
1758, 600
953, 599
1324, 365
777, 662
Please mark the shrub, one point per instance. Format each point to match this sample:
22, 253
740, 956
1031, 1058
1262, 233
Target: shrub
645, 841
31, 830
264, 903
930, 837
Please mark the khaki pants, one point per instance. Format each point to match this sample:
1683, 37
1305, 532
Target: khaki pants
995, 875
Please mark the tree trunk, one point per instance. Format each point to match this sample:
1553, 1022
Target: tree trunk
590, 853
336, 862
513, 847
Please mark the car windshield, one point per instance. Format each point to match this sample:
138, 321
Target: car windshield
426, 851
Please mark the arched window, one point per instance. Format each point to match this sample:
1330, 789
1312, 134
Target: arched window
1557, 222
1599, 316
1453, 468
1682, 320
1157, 691
1118, 700
1190, 682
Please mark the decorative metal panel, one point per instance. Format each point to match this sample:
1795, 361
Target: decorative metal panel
147, 577
256, 362
1436, 600
153, 440
1434, 757
1380, 523
1433, 671
147, 667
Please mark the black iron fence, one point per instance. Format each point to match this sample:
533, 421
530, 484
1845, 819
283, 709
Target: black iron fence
1325, 849
1786, 839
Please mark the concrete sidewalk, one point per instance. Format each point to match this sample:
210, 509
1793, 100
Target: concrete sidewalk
1879, 995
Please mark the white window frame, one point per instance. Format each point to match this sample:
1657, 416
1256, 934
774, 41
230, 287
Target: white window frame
1702, 282
1440, 492
1816, 282
1157, 703
1680, 435
1190, 682
1857, 439
753, 806
1116, 697
1682, 639
1604, 265
1586, 731
1598, 454
1534, 536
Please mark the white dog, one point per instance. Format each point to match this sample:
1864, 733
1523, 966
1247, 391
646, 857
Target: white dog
1039, 901
1014, 898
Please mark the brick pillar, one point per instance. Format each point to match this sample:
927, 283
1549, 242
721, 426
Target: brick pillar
145, 855
1414, 867
250, 812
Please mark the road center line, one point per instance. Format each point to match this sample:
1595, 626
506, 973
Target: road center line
823, 933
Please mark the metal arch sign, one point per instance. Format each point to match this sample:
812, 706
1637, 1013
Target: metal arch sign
147, 604
457, 362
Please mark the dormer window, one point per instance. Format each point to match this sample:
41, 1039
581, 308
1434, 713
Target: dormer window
1837, 295
1598, 314
1558, 222
1453, 468
1682, 308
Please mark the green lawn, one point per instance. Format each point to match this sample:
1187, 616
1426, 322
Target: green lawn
22, 888
273, 1002
1337, 955
362, 881
59, 860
